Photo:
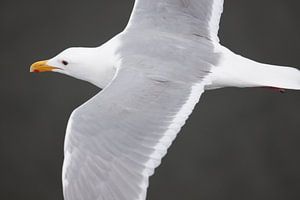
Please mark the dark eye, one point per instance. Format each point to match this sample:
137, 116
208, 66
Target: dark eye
64, 62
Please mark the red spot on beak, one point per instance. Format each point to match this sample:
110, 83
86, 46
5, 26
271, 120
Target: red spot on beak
36, 71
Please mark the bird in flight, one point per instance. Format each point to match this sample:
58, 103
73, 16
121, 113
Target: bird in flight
152, 75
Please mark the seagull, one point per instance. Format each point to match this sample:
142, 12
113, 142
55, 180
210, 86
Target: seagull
152, 75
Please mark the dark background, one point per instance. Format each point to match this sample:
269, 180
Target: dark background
239, 144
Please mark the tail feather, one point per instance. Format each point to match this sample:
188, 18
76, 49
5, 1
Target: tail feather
278, 76
237, 71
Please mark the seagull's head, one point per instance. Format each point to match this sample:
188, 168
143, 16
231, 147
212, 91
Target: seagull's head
83, 63
73, 61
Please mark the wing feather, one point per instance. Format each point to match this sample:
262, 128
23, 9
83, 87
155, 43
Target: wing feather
115, 141
114, 144
193, 17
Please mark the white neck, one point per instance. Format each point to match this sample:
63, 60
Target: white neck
99, 65
102, 69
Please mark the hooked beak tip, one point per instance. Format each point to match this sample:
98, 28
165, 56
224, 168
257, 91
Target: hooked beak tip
41, 66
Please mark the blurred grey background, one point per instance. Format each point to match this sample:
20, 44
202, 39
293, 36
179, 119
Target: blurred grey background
239, 144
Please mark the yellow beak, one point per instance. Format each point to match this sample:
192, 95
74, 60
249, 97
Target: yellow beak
41, 66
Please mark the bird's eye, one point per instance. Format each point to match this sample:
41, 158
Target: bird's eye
64, 62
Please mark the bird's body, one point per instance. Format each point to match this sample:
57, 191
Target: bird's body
153, 74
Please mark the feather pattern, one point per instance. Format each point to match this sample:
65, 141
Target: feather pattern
115, 141
188, 17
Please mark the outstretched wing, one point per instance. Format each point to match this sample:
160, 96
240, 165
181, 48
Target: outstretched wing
193, 17
116, 140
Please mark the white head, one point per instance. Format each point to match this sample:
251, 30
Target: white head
87, 64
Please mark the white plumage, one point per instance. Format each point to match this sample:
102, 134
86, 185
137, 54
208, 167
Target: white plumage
153, 74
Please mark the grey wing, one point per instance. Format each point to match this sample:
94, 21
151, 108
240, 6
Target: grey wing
116, 140
193, 17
